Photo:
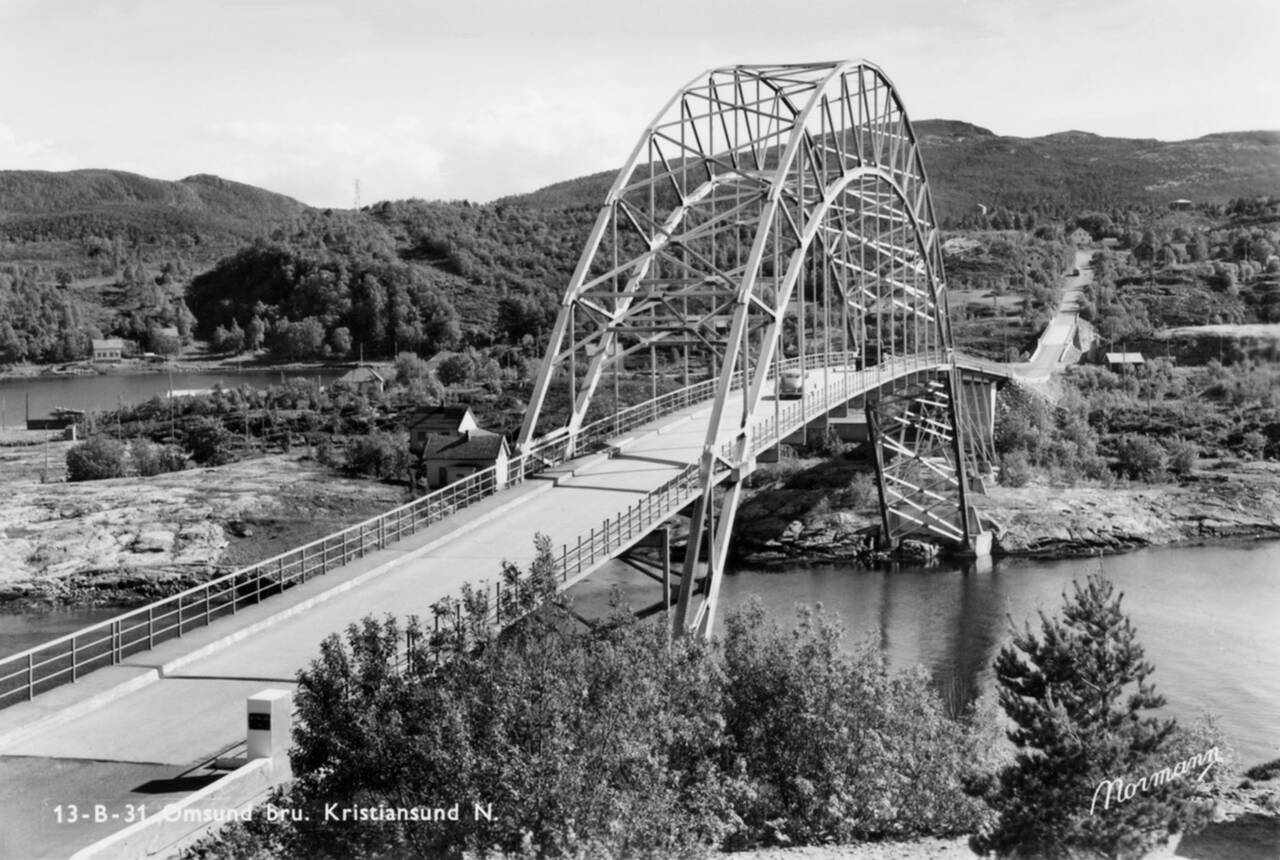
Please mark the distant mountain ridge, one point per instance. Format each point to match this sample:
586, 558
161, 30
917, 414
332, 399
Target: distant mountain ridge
42, 192
38, 205
1058, 174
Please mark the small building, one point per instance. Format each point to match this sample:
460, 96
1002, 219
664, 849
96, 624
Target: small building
363, 379
428, 421
1080, 237
449, 458
1180, 204
1121, 360
108, 349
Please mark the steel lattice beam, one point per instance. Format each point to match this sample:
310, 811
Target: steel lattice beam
770, 209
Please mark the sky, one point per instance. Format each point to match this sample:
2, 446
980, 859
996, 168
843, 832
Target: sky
476, 99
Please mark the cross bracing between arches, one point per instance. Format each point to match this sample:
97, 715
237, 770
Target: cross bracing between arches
771, 214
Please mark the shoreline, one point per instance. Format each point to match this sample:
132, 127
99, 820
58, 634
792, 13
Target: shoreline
138, 367
1223, 502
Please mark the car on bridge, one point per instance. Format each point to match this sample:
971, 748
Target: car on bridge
791, 384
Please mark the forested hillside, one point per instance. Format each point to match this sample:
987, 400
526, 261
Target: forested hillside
95, 253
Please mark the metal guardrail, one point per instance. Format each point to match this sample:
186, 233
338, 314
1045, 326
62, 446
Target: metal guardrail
67, 658
615, 534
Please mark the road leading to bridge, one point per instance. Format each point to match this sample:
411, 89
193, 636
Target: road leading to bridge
1060, 332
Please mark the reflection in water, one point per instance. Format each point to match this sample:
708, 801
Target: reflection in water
1207, 617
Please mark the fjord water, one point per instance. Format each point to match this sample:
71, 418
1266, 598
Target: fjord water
1208, 618
90, 393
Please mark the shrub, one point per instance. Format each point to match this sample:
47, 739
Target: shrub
95, 459
1183, 456
1076, 695
1140, 457
458, 369
614, 743
833, 747
209, 442
151, 459
409, 367
378, 455
1254, 443
1015, 471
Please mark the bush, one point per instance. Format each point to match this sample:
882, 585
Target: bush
833, 747
378, 455
614, 743
151, 459
458, 369
1183, 456
1015, 471
95, 459
409, 367
1076, 697
209, 442
1140, 457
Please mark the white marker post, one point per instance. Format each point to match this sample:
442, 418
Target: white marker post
269, 723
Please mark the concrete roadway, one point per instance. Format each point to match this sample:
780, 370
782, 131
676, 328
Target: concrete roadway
100, 742
1058, 333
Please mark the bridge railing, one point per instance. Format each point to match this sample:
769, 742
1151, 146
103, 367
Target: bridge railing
613, 535
109, 642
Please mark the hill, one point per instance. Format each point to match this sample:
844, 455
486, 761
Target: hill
69, 219
1058, 174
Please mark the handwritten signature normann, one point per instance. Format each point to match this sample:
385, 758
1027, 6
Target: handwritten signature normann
1123, 791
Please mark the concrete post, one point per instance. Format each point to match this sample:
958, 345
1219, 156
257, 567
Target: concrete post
269, 718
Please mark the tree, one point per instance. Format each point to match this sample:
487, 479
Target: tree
209, 442
1140, 457
95, 459
1076, 695
256, 333
457, 369
301, 339
340, 341
163, 343
409, 367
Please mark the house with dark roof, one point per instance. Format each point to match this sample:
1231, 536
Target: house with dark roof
427, 421
363, 379
447, 458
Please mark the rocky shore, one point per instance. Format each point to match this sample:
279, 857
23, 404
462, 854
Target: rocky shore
810, 515
130, 539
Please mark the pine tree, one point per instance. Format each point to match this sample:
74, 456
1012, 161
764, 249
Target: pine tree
1076, 695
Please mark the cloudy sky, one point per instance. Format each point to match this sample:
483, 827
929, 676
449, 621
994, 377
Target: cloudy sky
476, 99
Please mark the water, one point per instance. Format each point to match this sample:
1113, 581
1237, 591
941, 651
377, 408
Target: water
1208, 617
22, 630
90, 393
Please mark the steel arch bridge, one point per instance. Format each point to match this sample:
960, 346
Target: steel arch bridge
772, 217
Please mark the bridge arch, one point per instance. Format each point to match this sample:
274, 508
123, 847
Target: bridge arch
768, 213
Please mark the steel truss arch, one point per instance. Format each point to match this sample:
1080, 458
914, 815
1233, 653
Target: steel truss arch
769, 210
